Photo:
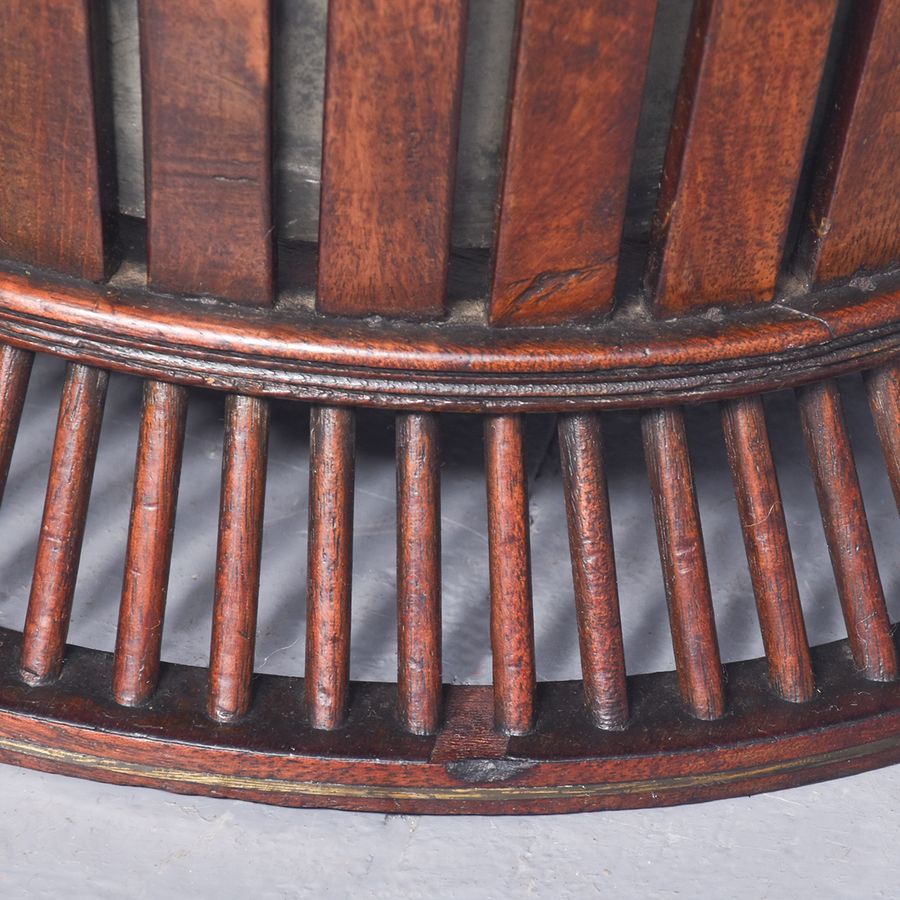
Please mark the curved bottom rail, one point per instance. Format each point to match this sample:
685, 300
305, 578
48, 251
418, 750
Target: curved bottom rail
565, 764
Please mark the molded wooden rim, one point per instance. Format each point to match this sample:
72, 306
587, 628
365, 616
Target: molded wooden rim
565, 764
452, 365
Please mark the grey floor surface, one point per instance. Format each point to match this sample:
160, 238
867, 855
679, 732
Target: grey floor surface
61, 836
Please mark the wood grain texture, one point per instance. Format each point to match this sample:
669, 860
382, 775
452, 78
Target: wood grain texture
576, 97
512, 616
419, 685
768, 548
742, 116
593, 569
206, 72
329, 566
683, 559
238, 557
149, 549
62, 526
855, 214
15, 371
883, 387
847, 530
57, 170
392, 86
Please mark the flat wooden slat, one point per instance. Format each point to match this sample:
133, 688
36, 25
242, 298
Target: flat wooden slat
15, 371
593, 569
149, 549
62, 525
512, 616
329, 565
768, 548
742, 117
206, 72
683, 558
57, 180
392, 87
238, 556
576, 97
883, 386
856, 194
419, 684
847, 531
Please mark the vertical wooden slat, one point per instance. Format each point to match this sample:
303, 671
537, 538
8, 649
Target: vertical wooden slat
330, 565
238, 556
392, 87
149, 550
576, 97
206, 70
512, 617
419, 572
683, 560
62, 526
856, 193
768, 548
883, 386
593, 569
847, 531
15, 371
742, 117
57, 174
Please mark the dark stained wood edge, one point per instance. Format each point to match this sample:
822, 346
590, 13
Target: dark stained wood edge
15, 371
683, 558
593, 569
419, 685
509, 549
847, 530
63, 521
238, 556
148, 552
283, 354
566, 765
883, 387
768, 548
329, 565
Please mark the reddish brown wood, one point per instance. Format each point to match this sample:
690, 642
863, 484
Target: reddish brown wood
57, 173
683, 560
394, 70
742, 116
883, 386
768, 548
206, 69
576, 96
847, 530
593, 569
512, 617
330, 565
856, 195
238, 557
149, 550
419, 572
15, 370
62, 527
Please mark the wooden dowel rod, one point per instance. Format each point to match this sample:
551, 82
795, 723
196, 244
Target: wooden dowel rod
330, 565
512, 625
149, 551
683, 560
847, 530
15, 370
62, 526
238, 556
418, 572
883, 386
593, 569
768, 548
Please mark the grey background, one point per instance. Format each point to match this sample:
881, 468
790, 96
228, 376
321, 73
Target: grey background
60, 835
